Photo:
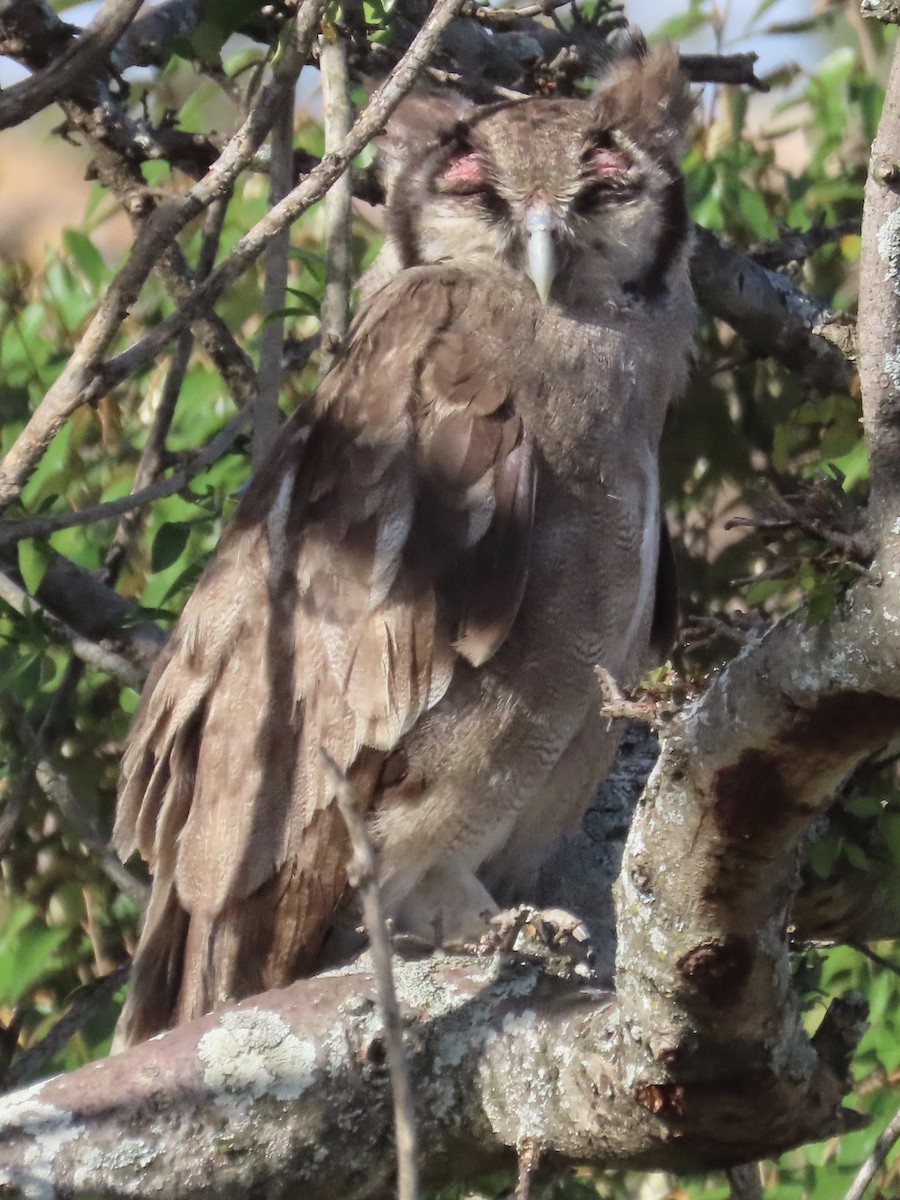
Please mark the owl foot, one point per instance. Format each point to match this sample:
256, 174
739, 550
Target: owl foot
556, 938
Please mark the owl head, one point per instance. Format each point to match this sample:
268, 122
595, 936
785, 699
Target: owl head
583, 196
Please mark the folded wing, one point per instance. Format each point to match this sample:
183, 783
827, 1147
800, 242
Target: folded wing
385, 537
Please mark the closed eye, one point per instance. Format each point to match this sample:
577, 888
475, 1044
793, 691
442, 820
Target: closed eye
466, 174
608, 174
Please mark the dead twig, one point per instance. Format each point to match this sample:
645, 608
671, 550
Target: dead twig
77, 61
312, 188
267, 415
94, 997
529, 1157
215, 448
363, 875
58, 790
15, 796
795, 245
94, 654
81, 381
337, 118
873, 1164
645, 707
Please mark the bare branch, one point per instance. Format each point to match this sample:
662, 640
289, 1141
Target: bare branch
882, 10
311, 189
79, 59
796, 245
887, 1139
94, 998
215, 448
91, 652
14, 794
773, 316
723, 68
152, 459
500, 18
363, 875
496, 1048
337, 113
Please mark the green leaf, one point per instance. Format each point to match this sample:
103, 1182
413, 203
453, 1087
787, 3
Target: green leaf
34, 559
760, 592
168, 545
821, 602
760, 11
755, 211
856, 856
682, 26
27, 952
823, 855
312, 260
863, 806
311, 304
86, 255
220, 20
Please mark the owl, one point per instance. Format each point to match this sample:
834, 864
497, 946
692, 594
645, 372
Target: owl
423, 575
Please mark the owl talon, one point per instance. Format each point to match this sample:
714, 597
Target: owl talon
552, 936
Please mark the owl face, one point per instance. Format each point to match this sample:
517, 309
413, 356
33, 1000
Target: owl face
582, 196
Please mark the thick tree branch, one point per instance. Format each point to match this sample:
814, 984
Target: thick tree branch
718, 1070
79, 59
879, 323
100, 657
773, 316
501, 1054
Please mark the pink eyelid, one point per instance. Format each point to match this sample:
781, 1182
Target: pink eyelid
609, 160
466, 169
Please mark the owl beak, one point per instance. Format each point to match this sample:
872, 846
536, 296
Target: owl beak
541, 251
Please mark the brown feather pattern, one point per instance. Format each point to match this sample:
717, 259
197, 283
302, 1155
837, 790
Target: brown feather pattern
332, 581
425, 571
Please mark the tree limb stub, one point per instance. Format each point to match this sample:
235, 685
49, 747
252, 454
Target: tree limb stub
710, 864
770, 313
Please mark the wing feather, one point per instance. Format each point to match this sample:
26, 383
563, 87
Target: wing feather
386, 535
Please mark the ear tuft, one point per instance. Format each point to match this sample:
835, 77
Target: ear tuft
421, 116
415, 125
648, 98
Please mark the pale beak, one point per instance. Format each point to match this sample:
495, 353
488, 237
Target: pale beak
540, 251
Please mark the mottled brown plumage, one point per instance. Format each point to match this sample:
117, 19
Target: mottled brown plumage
424, 573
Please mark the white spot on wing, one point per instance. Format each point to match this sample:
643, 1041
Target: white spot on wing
276, 521
393, 530
649, 544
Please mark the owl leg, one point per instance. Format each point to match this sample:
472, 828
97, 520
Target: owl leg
556, 809
448, 904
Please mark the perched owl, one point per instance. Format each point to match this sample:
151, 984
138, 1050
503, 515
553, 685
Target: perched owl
424, 573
